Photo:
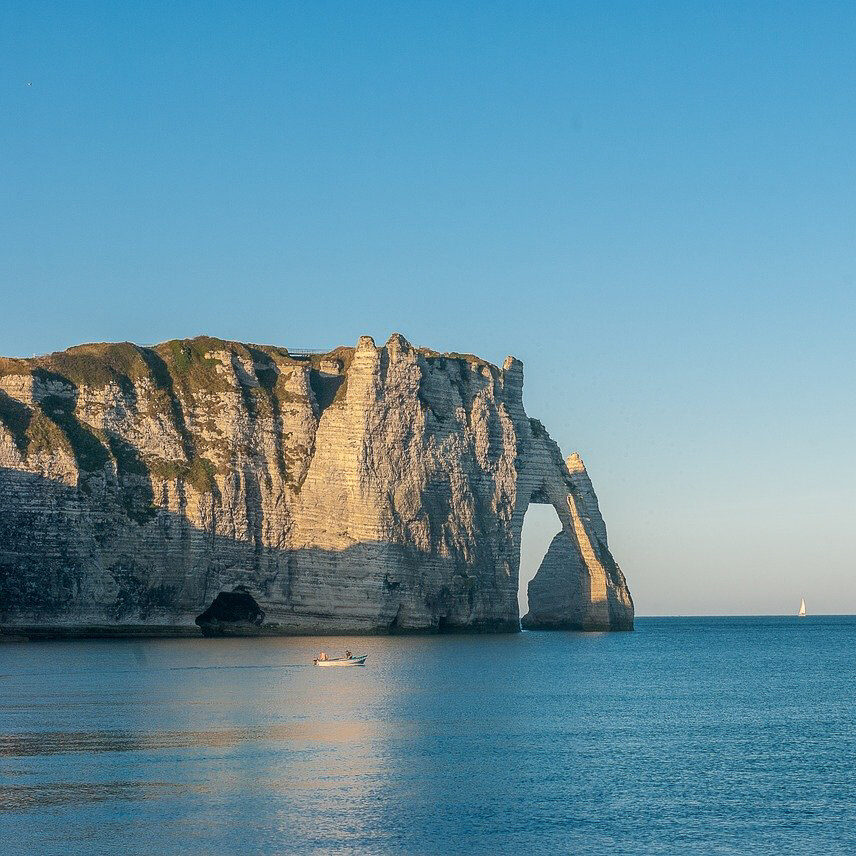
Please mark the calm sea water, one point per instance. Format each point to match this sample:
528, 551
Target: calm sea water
687, 736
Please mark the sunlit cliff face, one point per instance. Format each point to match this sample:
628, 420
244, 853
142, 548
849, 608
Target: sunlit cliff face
362, 490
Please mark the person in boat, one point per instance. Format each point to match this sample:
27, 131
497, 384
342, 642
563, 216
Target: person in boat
322, 656
348, 655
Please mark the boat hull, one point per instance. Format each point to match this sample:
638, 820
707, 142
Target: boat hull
343, 661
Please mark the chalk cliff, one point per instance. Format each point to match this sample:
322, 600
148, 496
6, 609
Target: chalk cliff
369, 489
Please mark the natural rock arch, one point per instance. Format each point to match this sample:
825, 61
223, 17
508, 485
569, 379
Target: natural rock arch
578, 586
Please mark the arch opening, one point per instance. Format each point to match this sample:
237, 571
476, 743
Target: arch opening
540, 525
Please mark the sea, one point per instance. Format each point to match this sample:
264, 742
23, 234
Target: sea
688, 735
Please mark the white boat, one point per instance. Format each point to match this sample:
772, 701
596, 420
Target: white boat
359, 660
801, 613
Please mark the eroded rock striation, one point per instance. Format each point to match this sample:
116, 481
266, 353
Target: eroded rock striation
245, 488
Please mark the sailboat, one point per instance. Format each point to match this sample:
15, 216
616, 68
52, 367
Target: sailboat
801, 613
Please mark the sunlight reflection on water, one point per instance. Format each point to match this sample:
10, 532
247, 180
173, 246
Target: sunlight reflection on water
688, 734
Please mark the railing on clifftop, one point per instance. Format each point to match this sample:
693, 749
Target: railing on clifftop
304, 352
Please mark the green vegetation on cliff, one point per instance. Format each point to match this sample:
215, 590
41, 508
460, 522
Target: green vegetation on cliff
184, 381
198, 472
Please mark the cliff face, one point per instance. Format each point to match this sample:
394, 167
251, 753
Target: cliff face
364, 490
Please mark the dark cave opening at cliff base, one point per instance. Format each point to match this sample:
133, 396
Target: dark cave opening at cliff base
540, 525
230, 611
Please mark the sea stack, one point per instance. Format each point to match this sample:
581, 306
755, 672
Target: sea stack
367, 489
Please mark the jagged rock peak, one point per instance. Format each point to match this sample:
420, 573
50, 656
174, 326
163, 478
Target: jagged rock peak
397, 342
589, 505
575, 463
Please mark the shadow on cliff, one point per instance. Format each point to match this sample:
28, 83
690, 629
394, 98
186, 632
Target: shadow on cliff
99, 559
35, 428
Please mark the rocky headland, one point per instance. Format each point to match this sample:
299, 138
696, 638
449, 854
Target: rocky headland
240, 488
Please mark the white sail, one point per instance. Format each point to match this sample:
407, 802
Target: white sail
801, 613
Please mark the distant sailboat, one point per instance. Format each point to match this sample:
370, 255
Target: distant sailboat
801, 613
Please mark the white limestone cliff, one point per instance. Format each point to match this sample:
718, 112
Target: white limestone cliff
370, 489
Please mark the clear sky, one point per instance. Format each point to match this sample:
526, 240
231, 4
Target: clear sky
652, 204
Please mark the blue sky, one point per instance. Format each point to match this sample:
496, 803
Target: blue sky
651, 204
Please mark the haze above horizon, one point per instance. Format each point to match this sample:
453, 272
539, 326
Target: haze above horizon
653, 207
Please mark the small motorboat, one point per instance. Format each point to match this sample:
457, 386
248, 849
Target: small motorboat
359, 660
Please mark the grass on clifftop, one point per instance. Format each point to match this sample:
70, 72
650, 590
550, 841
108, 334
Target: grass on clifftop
470, 359
96, 365
179, 379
